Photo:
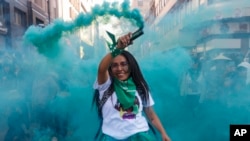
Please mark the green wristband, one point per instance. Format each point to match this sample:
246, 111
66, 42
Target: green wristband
114, 50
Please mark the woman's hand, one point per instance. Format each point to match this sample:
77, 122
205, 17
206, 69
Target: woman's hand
156, 122
124, 41
165, 138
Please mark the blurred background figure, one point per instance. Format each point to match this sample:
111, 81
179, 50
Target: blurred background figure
44, 91
18, 120
193, 86
241, 84
61, 115
217, 77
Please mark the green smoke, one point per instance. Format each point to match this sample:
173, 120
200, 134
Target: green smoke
47, 39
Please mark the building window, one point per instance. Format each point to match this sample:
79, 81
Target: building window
243, 27
39, 21
72, 13
1, 11
55, 12
20, 17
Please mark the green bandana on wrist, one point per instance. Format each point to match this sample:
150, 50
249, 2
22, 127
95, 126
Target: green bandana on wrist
112, 46
114, 50
125, 91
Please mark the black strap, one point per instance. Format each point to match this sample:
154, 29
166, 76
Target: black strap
105, 97
101, 102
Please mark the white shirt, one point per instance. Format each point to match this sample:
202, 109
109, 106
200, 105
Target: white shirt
114, 123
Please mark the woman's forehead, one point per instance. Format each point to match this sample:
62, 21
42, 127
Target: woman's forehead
119, 58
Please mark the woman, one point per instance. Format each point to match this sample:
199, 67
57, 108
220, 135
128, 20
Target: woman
127, 95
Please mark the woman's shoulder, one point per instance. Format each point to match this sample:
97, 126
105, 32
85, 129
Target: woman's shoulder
102, 87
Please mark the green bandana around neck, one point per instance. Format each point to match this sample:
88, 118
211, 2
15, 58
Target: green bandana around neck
125, 91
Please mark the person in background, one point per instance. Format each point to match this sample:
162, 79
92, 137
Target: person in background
193, 85
44, 91
18, 123
240, 80
123, 95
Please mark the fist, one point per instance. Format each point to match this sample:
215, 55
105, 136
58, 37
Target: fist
124, 41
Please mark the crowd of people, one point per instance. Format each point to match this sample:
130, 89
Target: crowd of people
31, 104
30, 101
222, 78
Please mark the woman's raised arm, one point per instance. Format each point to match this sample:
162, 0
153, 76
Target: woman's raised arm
103, 74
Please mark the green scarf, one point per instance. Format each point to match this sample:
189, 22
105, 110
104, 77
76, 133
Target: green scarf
125, 91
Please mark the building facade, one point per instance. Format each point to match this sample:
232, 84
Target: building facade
202, 25
68, 10
142, 5
16, 16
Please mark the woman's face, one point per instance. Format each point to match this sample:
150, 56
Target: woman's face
120, 68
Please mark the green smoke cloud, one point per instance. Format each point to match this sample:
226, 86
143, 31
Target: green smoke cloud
47, 39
